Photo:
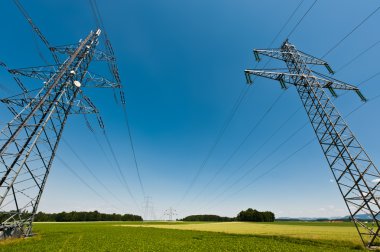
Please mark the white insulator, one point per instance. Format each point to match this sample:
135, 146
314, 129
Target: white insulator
77, 83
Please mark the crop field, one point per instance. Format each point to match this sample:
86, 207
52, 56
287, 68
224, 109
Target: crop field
178, 236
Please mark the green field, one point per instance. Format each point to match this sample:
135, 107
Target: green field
153, 236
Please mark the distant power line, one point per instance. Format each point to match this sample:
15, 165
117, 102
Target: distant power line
114, 70
357, 56
271, 106
276, 166
349, 34
300, 21
236, 150
220, 134
85, 182
84, 164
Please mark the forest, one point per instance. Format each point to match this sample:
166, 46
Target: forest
84, 216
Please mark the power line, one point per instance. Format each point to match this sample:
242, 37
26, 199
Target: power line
249, 171
35, 29
84, 182
286, 23
233, 172
237, 104
133, 149
300, 21
38, 49
113, 69
102, 149
348, 34
90, 171
268, 171
220, 134
294, 153
119, 168
273, 40
255, 126
98, 142
357, 56
370, 78
363, 82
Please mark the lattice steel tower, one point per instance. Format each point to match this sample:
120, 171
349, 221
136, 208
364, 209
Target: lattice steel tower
29, 142
170, 213
357, 177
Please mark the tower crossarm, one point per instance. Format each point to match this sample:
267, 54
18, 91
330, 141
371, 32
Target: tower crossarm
297, 79
43, 73
92, 80
70, 49
281, 55
17, 80
83, 105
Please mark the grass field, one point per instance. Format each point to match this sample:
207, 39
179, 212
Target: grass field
132, 236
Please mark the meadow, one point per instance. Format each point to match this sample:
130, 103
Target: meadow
178, 236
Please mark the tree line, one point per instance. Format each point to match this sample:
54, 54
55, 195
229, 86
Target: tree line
205, 217
247, 215
255, 216
84, 216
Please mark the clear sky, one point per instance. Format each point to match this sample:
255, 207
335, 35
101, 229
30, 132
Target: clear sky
182, 66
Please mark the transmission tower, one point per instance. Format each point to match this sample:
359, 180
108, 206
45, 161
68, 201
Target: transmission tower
149, 213
357, 177
28, 143
170, 213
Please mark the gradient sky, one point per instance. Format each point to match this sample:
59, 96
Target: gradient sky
182, 66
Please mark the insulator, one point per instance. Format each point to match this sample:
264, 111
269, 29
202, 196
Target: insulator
122, 98
282, 83
362, 97
329, 68
115, 97
332, 91
19, 83
5, 100
248, 78
88, 123
257, 56
100, 121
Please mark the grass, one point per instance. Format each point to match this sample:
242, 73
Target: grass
155, 236
345, 232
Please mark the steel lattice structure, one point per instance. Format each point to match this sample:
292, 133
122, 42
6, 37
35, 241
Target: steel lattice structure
357, 177
28, 143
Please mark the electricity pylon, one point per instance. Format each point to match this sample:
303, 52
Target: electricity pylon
149, 213
28, 143
357, 177
170, 213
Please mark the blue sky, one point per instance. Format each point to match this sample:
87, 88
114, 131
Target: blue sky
182, 66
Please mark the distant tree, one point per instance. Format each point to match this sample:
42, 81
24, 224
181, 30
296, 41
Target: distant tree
255, 216
215, 218
84, 216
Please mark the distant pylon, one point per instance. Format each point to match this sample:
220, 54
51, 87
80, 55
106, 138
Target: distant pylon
149, 213
170, 213
357, 177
